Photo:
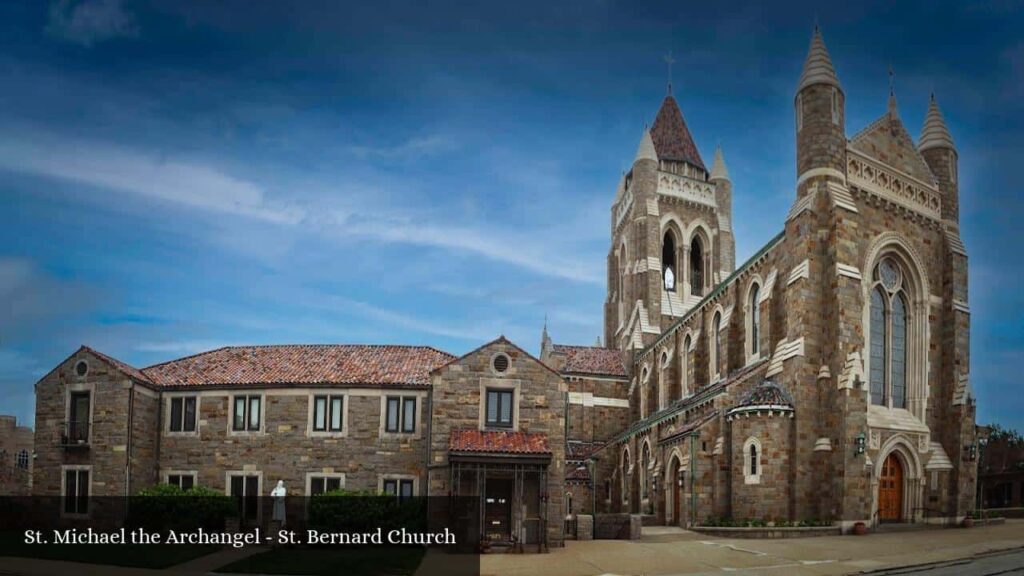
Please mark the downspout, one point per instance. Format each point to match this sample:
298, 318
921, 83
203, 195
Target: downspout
128, 448
429, 440
693, 473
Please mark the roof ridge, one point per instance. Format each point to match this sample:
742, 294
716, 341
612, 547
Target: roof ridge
322, 345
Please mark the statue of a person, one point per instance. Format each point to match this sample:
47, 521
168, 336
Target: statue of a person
278, 494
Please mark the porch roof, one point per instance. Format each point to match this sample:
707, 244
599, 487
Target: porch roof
498, 443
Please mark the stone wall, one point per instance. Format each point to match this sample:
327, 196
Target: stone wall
14, 439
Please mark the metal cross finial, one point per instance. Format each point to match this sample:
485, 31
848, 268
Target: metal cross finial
892, 80
669, 60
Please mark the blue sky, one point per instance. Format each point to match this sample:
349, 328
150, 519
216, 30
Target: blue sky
176, 178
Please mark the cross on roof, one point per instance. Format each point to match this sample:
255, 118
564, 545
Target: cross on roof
669, 60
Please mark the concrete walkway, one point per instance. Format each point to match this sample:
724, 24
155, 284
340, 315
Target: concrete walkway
680, 552
201, 566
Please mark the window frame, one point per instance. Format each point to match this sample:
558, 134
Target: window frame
499, 394
330, 410
881, 381
325, 477
247, 427
22, 455
78, 469
402, 428
753, 461
181, 474
183, 399
399, 481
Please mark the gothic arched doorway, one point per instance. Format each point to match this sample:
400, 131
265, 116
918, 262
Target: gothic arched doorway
890, 490
674, 488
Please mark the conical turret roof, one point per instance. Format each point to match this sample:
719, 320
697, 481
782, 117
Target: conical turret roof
672, 139
646, 150
935, 134
818, 68
718, 169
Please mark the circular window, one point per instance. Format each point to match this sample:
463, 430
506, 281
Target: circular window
81, 368
500, 363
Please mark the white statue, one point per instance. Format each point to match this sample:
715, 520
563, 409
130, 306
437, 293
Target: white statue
278, 494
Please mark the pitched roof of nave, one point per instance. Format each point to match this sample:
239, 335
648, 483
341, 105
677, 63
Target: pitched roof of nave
593, 360
888, 141
672, 139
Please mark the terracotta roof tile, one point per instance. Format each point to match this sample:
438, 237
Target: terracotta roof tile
131, 371
591, 360
672, 139
498, 442
580, 450
302, 364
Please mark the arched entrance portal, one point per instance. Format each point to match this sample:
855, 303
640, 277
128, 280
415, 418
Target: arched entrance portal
890, 490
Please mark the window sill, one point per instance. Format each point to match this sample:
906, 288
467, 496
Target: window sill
327, 434
752, 480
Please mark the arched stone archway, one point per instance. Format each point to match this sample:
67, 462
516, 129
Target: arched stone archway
674, 500
898, 451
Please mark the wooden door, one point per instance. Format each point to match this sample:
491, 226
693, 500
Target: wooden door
890, 490
498, 510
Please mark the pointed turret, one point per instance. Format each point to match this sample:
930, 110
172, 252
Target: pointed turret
718, 169
937, 148
820, 120
818, 68
646, 150
671, 137
935, 134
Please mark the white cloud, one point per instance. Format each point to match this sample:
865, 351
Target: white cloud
411, 149
205, 188
90, 21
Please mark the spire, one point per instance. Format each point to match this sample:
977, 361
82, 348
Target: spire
935, 134
892, 93
718, 169
669, 60
818, 67
646, 149
671, 137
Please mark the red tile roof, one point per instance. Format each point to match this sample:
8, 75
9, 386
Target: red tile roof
591, 360
577, 473
131, 371
672, 140
579, 450
498, 442
302, 364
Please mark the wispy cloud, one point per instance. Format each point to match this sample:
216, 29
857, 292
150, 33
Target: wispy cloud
179, 347
90, 21
411, 149
203, 187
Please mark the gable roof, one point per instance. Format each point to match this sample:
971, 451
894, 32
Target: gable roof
373, 365
131, 371
591, 360
671, 137
499, 340
888, 141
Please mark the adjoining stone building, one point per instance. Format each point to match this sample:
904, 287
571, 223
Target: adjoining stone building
16, 457
827, 377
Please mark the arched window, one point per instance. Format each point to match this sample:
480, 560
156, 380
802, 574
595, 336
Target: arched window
22, 460
668, 261
696, 267
644, 463
664, 384
754, 320
716, 345
568, 503
888, 319
752, 461
624, 473
684, 368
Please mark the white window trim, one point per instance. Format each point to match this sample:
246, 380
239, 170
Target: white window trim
311, 475
415, 482
346, 400
749, 478
748, 314
415, 434
231, 414
166, 474
716, 362
167, 411
80, 387
496, 384
259, 487
64, 489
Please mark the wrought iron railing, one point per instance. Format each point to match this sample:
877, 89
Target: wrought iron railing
74, 434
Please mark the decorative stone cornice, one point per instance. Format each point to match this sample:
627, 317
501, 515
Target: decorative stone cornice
891, 185
686, 189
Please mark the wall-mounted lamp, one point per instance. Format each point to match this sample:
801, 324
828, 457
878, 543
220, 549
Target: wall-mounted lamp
859, 444
972, 451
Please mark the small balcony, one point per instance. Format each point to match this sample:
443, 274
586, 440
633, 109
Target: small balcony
74, 435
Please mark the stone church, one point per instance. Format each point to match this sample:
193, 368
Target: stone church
827, 377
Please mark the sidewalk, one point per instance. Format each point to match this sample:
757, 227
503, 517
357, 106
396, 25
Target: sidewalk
661, 553
198, 567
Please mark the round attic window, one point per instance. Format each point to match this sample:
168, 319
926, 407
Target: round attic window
81, 368
500, 363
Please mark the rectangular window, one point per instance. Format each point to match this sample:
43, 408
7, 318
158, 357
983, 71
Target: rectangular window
245, 490
76, 491
247, 414
398, 487
78, 418
183, 414
322, 484
183, 481
328, 413
499, 408
400, 414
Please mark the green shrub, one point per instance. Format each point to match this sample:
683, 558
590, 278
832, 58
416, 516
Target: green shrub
166, 507
348, 511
